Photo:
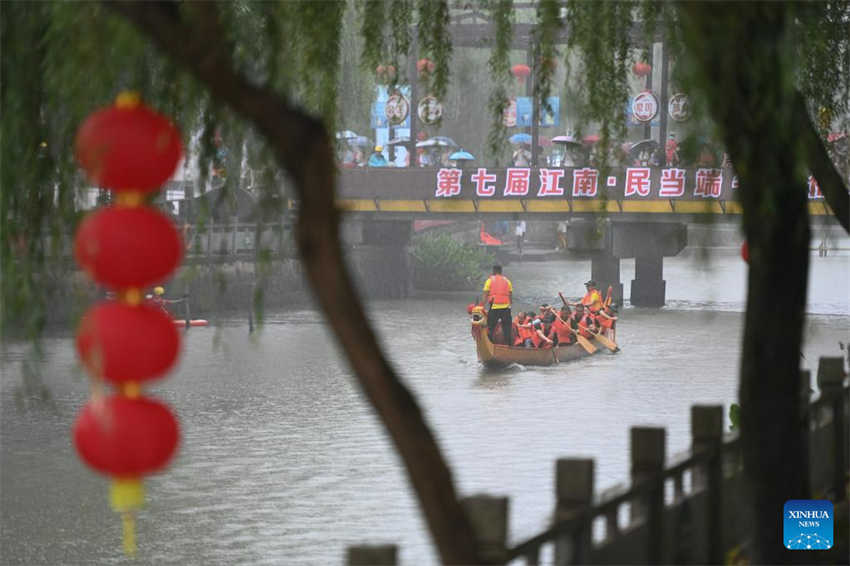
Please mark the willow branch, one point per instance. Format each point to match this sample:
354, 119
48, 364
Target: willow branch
822, 168
303, 148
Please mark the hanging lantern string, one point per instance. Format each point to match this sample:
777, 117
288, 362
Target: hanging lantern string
131, 150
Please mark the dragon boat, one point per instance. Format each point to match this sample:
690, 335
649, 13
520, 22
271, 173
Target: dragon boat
499, 355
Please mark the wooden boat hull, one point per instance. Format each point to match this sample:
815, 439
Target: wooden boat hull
499, 355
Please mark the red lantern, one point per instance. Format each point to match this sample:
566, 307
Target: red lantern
385, 73
128, 146
126, 437
745, 251
425, 66
122, 343
641, 69
124, 247
521, 72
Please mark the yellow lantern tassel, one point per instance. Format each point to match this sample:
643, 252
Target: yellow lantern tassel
125, 496
129, 527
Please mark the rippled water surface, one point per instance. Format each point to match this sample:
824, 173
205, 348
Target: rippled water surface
282, 462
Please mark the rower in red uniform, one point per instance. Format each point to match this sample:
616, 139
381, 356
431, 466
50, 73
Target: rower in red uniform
526, 330
560, 330
538, 338
586, 324
607, 320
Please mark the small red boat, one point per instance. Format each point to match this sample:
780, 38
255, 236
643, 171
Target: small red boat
193, 322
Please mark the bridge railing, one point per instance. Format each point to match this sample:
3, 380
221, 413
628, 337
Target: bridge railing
687, 511
215, 240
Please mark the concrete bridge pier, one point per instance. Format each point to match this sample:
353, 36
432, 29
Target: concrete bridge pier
648, 288
378, 256
648, 242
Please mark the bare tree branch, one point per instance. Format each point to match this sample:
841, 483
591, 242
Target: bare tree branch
821, 166
303, 148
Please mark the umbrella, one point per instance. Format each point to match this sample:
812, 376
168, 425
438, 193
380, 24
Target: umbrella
643, 145
436, 141
591, 139
462, 155
565, 140
346, 135
396, 141
520, 138
360, 140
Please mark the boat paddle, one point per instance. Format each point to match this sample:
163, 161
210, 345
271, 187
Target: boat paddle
605, 341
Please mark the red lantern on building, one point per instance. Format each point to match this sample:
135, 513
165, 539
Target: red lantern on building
641, 68
745, 251
128, 146
425, 67
521, 72
385, 73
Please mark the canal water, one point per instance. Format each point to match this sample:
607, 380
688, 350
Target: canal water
282, 461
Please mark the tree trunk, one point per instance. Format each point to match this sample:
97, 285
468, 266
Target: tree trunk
751, 96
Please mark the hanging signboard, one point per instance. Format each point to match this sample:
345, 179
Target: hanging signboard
644, 106
396, 109
430, 110
679, 107
548, 118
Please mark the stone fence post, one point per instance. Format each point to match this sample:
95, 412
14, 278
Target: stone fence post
374, 555
648, 455
830, 382
707, 434
489, 517
573, 492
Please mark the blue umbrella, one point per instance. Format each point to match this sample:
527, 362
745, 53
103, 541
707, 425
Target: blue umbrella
520, 138
462, 155
346, 135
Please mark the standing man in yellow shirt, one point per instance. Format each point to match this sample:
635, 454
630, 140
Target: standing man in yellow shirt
497, 293
592, 298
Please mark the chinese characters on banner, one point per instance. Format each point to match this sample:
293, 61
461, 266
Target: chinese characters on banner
631, 183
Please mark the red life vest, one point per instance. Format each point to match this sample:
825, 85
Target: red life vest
499, 290
537, 339
561, 329
517, 330
525, 332
585, 323
605, 322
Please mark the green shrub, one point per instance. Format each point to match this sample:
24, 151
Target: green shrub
441, 263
